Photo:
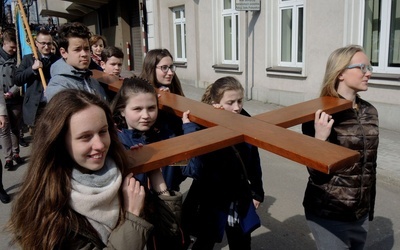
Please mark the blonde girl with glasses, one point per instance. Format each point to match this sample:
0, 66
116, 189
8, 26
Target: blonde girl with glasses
339, 205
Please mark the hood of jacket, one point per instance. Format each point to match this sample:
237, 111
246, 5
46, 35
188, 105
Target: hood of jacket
60, 67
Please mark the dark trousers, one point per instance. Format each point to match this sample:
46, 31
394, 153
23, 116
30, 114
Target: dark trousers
201, 220
237, 240
1, 176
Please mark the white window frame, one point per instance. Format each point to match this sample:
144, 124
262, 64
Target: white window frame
182, 23
384, 37
234, 33
294, 5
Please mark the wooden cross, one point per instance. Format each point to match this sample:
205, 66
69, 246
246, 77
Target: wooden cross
267, 131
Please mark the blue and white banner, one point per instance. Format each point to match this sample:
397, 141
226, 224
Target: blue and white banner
22, 36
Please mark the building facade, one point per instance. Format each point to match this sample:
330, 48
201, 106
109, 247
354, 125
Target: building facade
119, 21
278, 52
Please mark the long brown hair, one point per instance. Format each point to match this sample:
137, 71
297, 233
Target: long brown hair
41, 217
153, 57
336, 64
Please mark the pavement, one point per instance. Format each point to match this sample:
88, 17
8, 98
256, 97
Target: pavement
282, 216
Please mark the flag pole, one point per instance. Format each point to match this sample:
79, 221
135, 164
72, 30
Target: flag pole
31, 42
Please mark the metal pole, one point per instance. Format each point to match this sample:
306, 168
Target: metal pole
31, 42
246, 63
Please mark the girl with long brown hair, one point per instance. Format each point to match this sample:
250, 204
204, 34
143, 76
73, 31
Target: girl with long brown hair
160, 71
76, 192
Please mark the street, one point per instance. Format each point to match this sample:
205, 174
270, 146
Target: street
282, 215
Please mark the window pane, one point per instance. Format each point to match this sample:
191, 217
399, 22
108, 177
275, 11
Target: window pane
184, 40
178, 14
178, 41
300, 37
228, 38
237, 37
394, 42
227, 4
286, 42
372, 30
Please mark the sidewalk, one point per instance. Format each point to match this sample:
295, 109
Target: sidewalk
389, 141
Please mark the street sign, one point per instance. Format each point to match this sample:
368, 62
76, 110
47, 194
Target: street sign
245, 5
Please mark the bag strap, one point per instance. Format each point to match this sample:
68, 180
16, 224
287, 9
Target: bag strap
241, 163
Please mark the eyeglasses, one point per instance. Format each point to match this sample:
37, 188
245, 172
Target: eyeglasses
364, 68
44, 43
165, 68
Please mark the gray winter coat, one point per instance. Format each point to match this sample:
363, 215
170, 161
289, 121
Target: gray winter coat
8, 64
64, 76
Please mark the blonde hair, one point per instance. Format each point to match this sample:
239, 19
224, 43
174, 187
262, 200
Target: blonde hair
336, 64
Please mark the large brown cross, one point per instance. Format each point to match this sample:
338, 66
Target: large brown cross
267, 131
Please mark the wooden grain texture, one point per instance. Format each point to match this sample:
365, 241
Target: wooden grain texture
167, 152
289, 144
267, 131
303, 112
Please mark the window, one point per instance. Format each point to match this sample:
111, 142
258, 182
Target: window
179, 34
230, 33
291, 33
381, 34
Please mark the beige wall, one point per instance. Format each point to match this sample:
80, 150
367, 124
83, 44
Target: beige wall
328, 25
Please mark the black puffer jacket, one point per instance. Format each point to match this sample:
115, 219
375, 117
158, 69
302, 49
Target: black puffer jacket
349, 193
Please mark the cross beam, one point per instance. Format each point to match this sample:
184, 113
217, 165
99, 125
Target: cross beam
267, 131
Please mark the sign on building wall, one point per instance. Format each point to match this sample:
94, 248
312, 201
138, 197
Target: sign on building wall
252, 5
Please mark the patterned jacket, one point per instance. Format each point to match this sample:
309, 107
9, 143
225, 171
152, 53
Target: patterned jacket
349, 193
8, 64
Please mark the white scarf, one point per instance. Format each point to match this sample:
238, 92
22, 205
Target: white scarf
95, 196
